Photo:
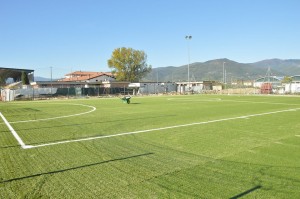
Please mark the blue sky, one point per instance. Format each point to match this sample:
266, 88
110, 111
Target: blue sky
70, 35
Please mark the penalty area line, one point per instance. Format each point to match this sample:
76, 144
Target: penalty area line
157, 129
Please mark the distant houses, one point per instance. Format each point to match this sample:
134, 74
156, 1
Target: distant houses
274, 84
82, 79
83, 83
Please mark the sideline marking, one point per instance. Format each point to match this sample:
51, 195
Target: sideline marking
195, 100
52, 118
277, 103
297, 135
23, 145
158, 129
227, 100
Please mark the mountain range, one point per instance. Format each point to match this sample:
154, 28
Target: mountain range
38, 78
213, 70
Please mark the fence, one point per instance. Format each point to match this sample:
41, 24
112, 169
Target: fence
72, 92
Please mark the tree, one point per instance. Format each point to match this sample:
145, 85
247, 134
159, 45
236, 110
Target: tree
24, 77
129, 64
2, 80
287, 80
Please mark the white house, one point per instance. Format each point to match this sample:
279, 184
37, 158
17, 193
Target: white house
82, 76
294, 86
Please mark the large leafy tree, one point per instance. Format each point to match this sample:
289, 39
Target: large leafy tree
129, 64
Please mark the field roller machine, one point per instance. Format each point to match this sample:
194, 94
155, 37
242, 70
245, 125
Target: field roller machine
126, 99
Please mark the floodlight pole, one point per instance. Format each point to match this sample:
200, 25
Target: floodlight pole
51, 79
157, 81
188, 37
224, 72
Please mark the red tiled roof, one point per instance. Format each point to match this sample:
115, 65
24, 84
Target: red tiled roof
83, 75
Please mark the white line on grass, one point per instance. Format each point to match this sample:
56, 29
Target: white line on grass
23, 145
159, 129
52, 118
244, 101
227, 100
195, 99
297, 135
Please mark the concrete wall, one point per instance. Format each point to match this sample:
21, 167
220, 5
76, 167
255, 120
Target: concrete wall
153, 88
102, 78
292, 87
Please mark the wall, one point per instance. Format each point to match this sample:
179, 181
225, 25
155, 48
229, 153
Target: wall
102, 78
153, 88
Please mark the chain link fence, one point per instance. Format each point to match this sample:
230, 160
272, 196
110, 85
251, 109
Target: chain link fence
72, 92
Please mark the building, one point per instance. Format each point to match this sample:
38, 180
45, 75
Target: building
242, 83
83, 76
294, 86
146, 88
11, 78
198, 87
14, 75
273, 80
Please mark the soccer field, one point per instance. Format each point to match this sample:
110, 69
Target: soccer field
192, 146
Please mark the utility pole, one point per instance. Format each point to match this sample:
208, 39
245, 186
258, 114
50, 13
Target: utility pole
51, 78
189, 37
224, 72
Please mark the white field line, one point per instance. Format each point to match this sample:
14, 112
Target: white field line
52, 118
297, 135
196, 100
277, 103
13, 132
158, 129
226, 100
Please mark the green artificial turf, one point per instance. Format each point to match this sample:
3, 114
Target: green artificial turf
192, 146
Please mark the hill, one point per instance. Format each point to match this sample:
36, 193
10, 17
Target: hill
213, 70
288, 67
